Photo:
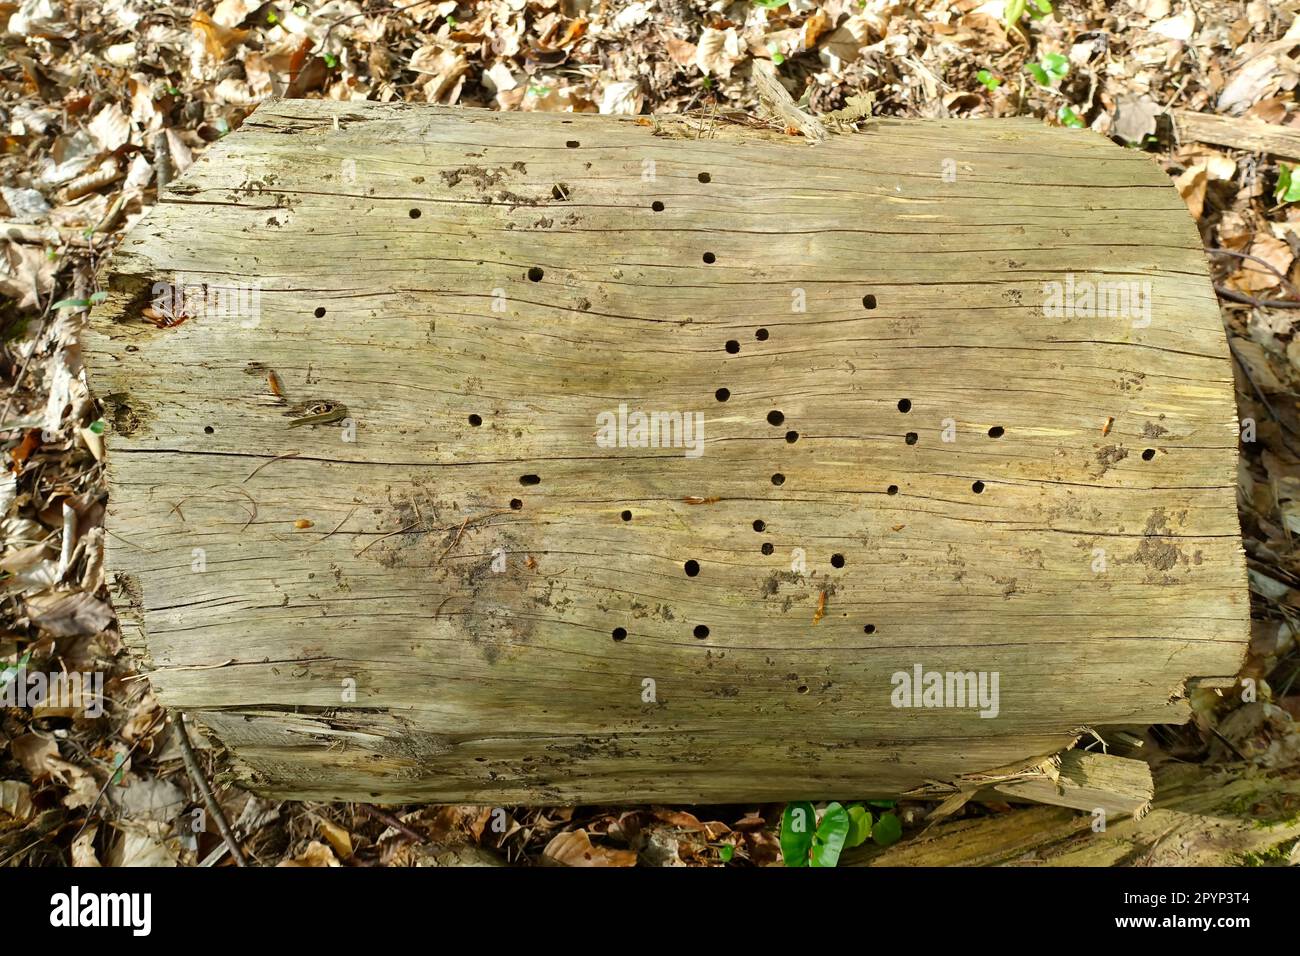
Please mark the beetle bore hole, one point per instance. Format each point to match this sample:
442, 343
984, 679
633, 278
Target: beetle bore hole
837, 560
692, 568
869, 629
767, 547
778, 479
761, 334
320, 312
620, 633
904, 405
912, 438
892, 490
978, 487
803, 688
657, 206
560, 192
475, 420
792, 437
415, 214
572, 144
515, 504
704, 177
535, 274
997, 431
760, 525
868, 301
710, 258
722, 394
626, 516
530, 479
775, 417
701, 631
732, 346
1148, 454
208, 429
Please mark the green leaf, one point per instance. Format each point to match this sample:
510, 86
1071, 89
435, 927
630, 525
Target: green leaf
331, 60
726, 852
1039, 74
990, 81
71, 304
10, 672
770, 4
778, 58
97, 426
1044, 6
98, 297
1288, 184
271, 18
888, 829
1012, 12
831, 833
1069, 117
859, 826
883, 804
798, 824
1056, 64
119, 761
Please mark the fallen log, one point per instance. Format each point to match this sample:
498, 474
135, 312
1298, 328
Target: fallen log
521, 458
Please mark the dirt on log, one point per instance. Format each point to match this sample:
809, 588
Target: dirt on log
930, 398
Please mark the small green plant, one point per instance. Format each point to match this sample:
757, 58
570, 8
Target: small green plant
1016, 9
1069, 117
770, 4
989, 81
1050, 70
809, 841
1288, 184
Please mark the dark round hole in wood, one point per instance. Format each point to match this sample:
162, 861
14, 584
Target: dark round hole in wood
722, 394
869, 629
710, 258
732, 346
692, 568
803, 688
657, 206
704, 177
475, 420
515, 504
997, 431
535, 274
761, 334
626, 516
904, 405
837, 560
560, 192
1148, 454
572, 144
530, 479
792, 437
775, 418
868, 301
778, 479
912, 438
208, 429
978, 487
701, 631
320, 312
892, 490
620, 633
760, 525
415, 214
767, 547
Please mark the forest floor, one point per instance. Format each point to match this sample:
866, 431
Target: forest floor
103, 100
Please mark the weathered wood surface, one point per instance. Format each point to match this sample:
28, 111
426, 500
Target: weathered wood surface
1093, 581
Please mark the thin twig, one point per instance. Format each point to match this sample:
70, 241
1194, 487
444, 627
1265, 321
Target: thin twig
393, 822
292, 454
200, 781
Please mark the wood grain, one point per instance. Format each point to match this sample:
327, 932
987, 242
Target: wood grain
381, 237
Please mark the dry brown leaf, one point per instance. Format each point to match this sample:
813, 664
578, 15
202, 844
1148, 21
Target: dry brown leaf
337, 837
574, 848
316, 854
217, 40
